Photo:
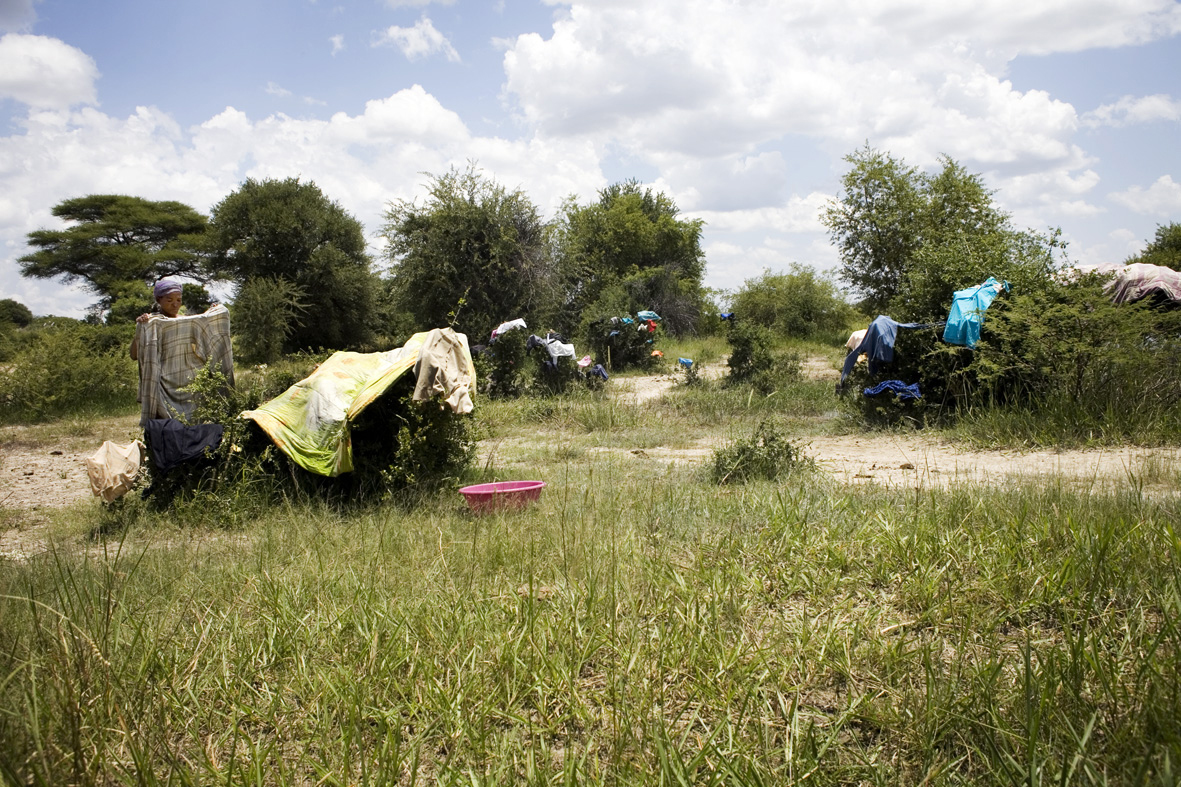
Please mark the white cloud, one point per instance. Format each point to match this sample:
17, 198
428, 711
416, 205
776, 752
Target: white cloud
415, 3
45, 73
276, 90
715, 95
1162, 198
419, 41
337, 43
363, 161
1131, 110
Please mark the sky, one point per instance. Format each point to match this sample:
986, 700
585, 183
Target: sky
743, 111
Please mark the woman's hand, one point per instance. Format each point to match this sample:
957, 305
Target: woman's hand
143, 318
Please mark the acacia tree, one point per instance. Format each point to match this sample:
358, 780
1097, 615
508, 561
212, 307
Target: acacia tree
629, 251
473, 255
284, 230
117, 246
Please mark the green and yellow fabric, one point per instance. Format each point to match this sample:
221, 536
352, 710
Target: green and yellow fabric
310, 420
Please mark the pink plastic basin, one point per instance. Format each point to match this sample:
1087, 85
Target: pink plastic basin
483, 498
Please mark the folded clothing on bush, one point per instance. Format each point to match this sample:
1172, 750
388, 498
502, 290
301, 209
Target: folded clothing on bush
174, 443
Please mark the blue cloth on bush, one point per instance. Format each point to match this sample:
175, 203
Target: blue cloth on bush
648, 315
598, 371
900, 389
613, 333
878, 343
726, 316
686, 362
627, 321
173, 443
967, 311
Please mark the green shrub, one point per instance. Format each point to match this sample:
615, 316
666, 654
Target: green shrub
556, 377
750, 351
798, 304
264, 314
68, 368
1113, 368
507, 365
767, 454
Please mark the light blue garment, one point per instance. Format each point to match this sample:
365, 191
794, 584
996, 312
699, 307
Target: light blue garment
686, 362
967, 312
647, 315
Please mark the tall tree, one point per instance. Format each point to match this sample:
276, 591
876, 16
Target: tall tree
117, 246
474, 254
629, 250
290, 231
876, 223
908, 240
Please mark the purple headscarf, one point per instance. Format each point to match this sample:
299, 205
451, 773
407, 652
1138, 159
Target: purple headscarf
165, 286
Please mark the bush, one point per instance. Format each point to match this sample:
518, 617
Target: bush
767, 454
264, 313
68, 368
798, 304
750, 351
400, 447
1070, 349
506, 364
555, 378
620, 345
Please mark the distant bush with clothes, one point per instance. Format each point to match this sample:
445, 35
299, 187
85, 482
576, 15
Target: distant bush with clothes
628, 342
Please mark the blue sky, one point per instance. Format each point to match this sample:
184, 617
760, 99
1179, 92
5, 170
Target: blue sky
742, 110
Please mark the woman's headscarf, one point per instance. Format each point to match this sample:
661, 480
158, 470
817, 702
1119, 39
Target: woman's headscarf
164, 287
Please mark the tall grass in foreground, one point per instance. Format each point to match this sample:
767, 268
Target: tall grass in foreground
633, 627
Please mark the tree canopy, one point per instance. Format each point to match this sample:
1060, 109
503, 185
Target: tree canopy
629, 251
117, 246
290, 231
1164, 248
14, 312
907, 240
472, 255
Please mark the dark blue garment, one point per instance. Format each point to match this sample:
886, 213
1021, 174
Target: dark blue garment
726, 315
900, 389
598, 371
878, 343
172, 443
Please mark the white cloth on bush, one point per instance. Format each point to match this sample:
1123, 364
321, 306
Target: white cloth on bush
112, 469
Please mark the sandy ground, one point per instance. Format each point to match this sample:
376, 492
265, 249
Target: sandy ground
39, 476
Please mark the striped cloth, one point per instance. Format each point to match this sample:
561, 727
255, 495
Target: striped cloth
171, 351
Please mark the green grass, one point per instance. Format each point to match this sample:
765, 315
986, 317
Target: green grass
639, 625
